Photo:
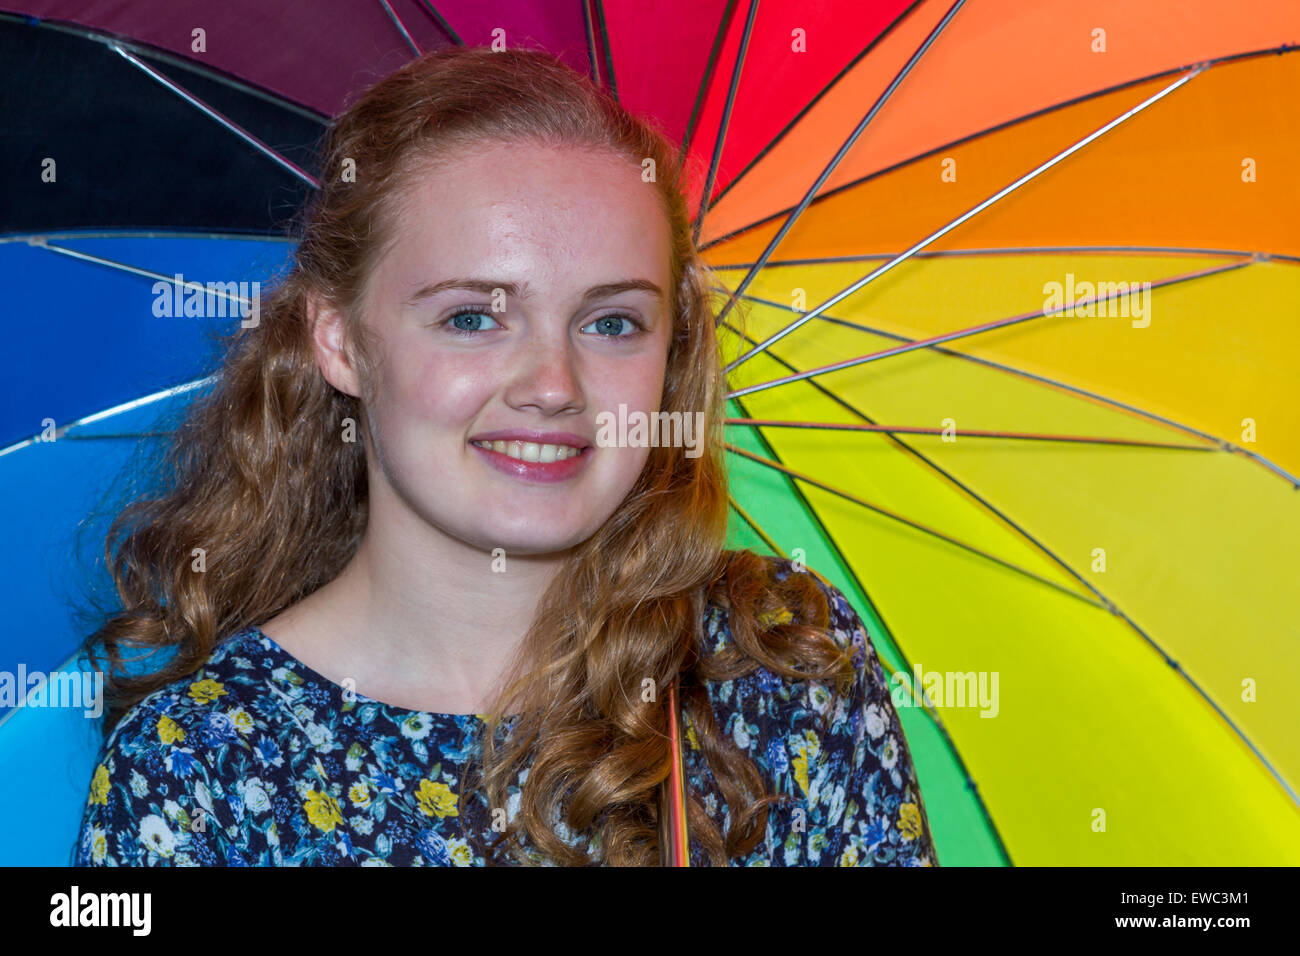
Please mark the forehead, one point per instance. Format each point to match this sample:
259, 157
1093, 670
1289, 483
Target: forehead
562, 219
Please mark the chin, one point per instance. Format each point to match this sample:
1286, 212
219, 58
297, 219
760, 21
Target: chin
518, 543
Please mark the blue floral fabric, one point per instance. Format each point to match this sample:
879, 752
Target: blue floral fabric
258, 760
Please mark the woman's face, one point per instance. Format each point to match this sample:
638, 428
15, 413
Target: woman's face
557, 262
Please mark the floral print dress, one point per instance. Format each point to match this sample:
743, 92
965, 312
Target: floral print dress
258, 760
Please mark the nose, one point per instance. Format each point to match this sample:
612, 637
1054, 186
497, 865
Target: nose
546, 377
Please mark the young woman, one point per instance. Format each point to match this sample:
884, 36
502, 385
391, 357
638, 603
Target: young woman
435, 617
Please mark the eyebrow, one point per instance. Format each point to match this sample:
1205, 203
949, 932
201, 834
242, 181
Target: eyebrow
521, 290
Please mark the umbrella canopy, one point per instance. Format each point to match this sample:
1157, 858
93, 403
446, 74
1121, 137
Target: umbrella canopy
1005, 299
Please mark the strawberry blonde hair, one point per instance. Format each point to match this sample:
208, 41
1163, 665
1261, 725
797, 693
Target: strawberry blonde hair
259, 477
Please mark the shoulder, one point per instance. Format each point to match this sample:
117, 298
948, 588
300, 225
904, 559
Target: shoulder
840, 760
220, 703
782, 720
163, 790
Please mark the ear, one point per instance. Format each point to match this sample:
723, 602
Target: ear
329, 339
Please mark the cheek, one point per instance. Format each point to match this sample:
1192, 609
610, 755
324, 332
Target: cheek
443, 390
638, 384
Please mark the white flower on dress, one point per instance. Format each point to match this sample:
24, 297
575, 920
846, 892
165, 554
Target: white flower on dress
256, 799
876, 722
171, 810
889, 753
321, 737
157, 836
417, 726
740, 734
139, 785
242, 720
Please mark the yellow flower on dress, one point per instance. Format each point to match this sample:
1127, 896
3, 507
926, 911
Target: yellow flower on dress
207, 690
909, 821
98, 845
460, 854
99, 785
814, 742
849, 857
359, 794
800, 764
169, 732
323, 811
436, 799
691, 738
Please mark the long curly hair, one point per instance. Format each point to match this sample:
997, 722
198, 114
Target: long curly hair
257, 477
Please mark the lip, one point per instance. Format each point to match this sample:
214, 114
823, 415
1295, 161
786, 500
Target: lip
535, 471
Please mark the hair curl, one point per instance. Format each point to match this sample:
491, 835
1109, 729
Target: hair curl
258, 477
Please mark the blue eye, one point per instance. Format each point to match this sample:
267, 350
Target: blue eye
469, 322
606, 322
471, 316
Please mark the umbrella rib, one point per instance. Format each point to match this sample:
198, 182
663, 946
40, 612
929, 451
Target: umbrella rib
808, 107
401, 27
118, 436
813, 516
843, 151
603, 30
442, 22
951, 478
969, 433
927, 705
1221, 443
591, 42
706, 79
147, 234
725, 120
919, 527
845, 293
1109, 604
114, 410
1012, 251
943, 147
208, 111
754, 526
39, 243
914, 344
183, 63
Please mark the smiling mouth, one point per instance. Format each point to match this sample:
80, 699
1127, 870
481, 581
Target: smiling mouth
531, 451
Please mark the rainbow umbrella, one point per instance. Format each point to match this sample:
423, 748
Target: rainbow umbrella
921, 215
1022, 344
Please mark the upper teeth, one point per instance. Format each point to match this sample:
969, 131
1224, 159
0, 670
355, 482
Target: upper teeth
530, 451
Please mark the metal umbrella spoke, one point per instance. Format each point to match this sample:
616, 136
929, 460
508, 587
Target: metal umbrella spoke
968, 433
843, 151
208, 111
975, 210
914, 344
934, 532
726, 119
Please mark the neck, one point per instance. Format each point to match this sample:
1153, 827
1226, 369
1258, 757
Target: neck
421, 620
